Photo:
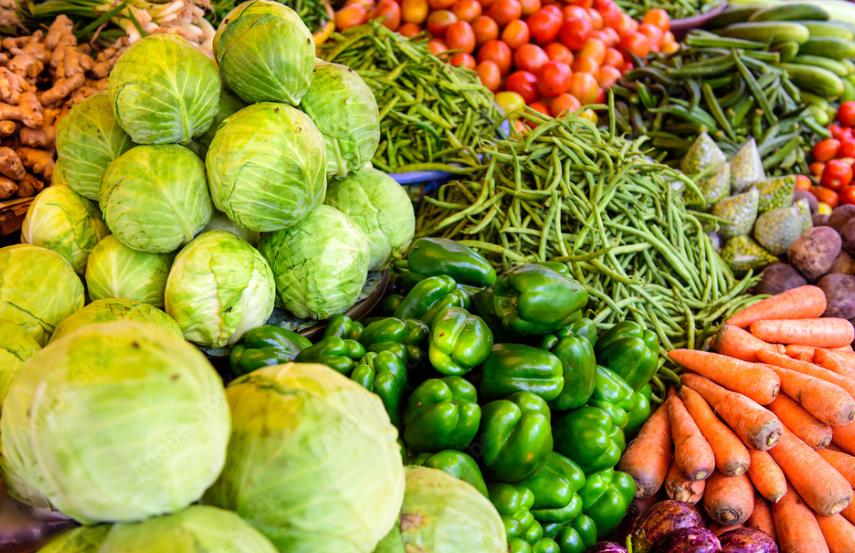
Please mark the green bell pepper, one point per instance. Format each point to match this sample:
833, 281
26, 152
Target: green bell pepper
334, 352
584, 328
612, 394
578, 535
389, 333
385, 374
266, 345
515, 436
606, 497
390, 304
459, 341
424, 295
442, 413
514, 368
589, 437
440, 256
455, 463
514, 506
579, 364
546, 545
456, 298
631, 351
344, 327
555, 485
535, 300
638, 411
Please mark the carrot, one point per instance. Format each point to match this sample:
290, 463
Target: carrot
810, 369
753, 380
838, 362
761, 517
802, 353
842, 463
839, 533
827, 402
736, 342
829, 332
804, 302
692, 454
844, 437
823, 488
731, 455
796, 527
729, 499
767, 476
801, 423
681, 488
648, 457
849, 512
755, 426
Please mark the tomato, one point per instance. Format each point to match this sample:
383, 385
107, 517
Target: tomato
544, 26
466, 10
836, 175
490, 75
485, 4
847, 195
803, 182
636, 43
516, 34
825, 149
613, 57
669, 43
653, 33
558, 52
529, 6
589, 114
846, 113
658, 17
460, 36
574, 32
839, 132
390, 12
596, 19
564, 103
541, 107
463, 59
609, 37
530, 57
414, 11
350, 16
847, 147
409, 30
553, 9
553, 78
584, 87
437, 47
510, 102
575, 11
524, 84
439, 21
505, 11
594, 49
584, 64
607, 76
826, 196
816, 168
582, 3
440, 4
485, 29
498, 52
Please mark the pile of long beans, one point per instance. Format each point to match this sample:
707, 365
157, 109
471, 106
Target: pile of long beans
432, 113
677, 9
567, 191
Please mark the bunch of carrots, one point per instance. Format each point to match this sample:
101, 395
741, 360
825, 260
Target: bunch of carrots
763, 431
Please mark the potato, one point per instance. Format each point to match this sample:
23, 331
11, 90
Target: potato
779, 277
843, 263
814, 251
841, 215
839, 294
811, 200
847, 234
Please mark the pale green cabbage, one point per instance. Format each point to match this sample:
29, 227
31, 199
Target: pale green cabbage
87, 539
229, 105
115, 309
219, 221
114, 270
16, 346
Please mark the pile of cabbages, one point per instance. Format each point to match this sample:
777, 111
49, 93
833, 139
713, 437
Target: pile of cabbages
167, 183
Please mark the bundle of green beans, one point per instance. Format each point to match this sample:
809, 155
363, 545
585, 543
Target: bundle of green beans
432, 113
677, 9
567, 191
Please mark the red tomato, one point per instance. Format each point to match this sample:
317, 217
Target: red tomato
440, 4
439, 21
607, 76
846, 113
409, 30
584, 87
653, 33
460, 36
544, 25
553, 78
613, 57
610, 37
574, 32
466, 10
594, 49
516, 34
558, 52
836, 175
505, 11
847, 147
553, 9
826, 196
803, 182
636, 43
529, 6
437, 47
596, 19
575, 11
498, 52
564, 103
658, 17
825, 149
603, 5
390, 12
462, 59
669, 43
524, 84
541, 107
414, 11
350, 16
489, 74
584, 64
485, 4
816, 168
839, 132
485, 29
847, 195
582, 3
530, 57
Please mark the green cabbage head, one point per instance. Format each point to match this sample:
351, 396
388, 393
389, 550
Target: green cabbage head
164, 90
38, 289
58, 178
219, 221
265, 52
380, 207
344, 109
114, 270
115, 309
125, 419
313, 461
155, 198
88, 138
229, 105
62, 220
266, 167
219, 288
320, 265
16, 346
86, 539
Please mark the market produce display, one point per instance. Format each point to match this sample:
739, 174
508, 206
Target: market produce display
831, 167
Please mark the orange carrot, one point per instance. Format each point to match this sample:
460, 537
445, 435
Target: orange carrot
844, 437
802, 353
836, 361
731, 455
729, 499
842, 463
849, 512
796, 528
755, 426
692, 454
736, 342
648, 457
804, 425
827, 402
753, 380
810, 369
681, 488
804, 302
823, 488
839, 533
767, 476
761, 517
829, 332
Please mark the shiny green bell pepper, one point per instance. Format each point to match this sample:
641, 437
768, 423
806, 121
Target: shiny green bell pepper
589, 437
266, 345
515, 436
442, 413
631, 351
398, 336
578, 363
334, 352
546, 545
385, 374
535, 300
514, 506
344, 327
457, 464
440, 256
456, 298
555, 485
424, 295
578, 535
514, 368
584, 328
459, 341
612, 394
390, 303
638, 411
606, 497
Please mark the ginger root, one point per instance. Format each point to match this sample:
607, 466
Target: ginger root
11, 165
8, 187
37, 161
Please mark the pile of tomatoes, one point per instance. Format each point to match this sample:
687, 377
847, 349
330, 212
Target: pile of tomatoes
833, 160
552, 56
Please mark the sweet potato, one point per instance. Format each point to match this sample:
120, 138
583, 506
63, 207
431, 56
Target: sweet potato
779, 277
840, 295
814, 251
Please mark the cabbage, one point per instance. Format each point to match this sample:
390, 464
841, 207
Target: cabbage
265, 52
78, 540
88, 138
62, 220
320, 265
219, 288
266, 167
313, 461
124, 419
38, 289
344, 109
116, 271
16, 346
164, 90
219, 221
229, 105
115, 309
380, 207
58, 178
155, 198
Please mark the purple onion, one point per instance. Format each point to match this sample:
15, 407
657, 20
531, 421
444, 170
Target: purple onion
688, 540
606, 547
747, 540
660, 520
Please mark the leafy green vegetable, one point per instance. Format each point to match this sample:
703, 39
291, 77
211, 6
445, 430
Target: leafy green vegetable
115, 309
114, 270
